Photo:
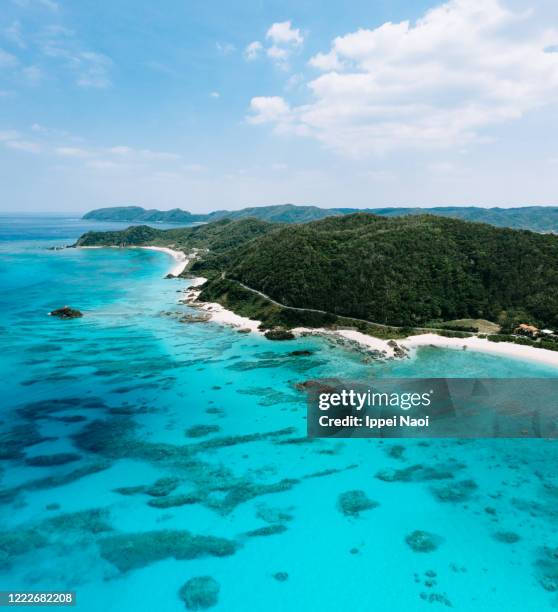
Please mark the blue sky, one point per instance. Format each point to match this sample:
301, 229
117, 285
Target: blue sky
208, 105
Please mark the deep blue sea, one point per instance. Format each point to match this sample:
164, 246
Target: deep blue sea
138, 452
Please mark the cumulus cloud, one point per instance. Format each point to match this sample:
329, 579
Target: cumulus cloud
269, 109
253, 50
282, 33
463, 67
282, 39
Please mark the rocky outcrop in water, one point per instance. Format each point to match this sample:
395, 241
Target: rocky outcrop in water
66, 313
279, 333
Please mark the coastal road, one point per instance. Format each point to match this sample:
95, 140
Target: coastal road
381, 325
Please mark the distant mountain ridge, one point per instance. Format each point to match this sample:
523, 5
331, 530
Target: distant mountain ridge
536, 218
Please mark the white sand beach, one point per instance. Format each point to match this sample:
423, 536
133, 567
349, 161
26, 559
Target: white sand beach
502, 349
369, 342
180, 259
218, 313
221, 315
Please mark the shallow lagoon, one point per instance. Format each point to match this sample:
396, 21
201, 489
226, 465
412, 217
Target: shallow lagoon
126, 388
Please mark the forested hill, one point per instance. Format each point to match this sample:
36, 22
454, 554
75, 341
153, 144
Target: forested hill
536, 218
218, 237
282, 213
401, 270
396, 270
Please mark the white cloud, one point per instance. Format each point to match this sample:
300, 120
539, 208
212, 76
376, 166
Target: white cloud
283, 41
279, 54
32, 74
8, 135
194, 168
282, 33
253, 50
50, 4
463, 67
72, 152
7, 60
102, 164
121, 150
269, 109
215, 94
24, 145
13, 140
225, 48
93, 69
14, 35
90, 69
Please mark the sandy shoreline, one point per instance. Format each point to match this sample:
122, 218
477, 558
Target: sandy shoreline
221, 315
216, 312
180, 259
482, 345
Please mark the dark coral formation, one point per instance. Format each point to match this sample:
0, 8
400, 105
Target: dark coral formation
417, 473
50, 460
134, 550
172, 501
244, 491
395, 451
200, 593
55, 480
44, 409
507, 537
455, 491
19, 542
423, 541
352, 503
92, 521
14, 441
199, 431
163, 486
268, 530
546, 567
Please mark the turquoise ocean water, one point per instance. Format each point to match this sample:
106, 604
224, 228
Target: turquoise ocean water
138, 452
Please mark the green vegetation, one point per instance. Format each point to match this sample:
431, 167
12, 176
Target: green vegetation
551, 345
401, 271
219, 236
137, 214
471, 325
536, 218
282, 213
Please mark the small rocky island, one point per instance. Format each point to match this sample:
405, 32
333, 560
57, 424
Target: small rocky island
66, 313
